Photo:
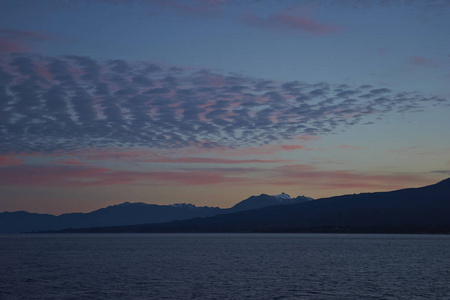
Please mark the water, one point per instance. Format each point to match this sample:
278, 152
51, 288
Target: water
224, 266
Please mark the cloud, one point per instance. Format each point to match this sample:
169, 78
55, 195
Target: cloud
28, 175
311, 176
292, 147
75, 103
9, 160
15, 40
69, 174
290, 23
73, 175
128, 155
422, 61
206, 160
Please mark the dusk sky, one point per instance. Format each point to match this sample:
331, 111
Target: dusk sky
211, 101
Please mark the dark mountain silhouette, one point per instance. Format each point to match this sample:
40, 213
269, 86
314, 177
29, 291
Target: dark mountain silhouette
422, 210
129, 214
115, 215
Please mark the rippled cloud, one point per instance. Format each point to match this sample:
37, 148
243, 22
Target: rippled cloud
74, 102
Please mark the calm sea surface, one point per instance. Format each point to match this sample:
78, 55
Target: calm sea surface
224, 266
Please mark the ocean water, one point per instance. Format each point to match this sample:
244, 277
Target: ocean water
224, 266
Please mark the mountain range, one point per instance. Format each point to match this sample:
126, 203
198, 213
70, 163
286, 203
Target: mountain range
413, 210
131, 213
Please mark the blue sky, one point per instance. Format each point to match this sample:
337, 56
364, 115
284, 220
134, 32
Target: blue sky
211, 101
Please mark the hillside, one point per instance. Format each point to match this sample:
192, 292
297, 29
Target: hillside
422, 210
130, 214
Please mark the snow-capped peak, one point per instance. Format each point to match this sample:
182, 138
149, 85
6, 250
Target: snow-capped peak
184, 205
283, 196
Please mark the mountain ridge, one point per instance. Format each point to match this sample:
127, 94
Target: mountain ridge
126, 213
412, 210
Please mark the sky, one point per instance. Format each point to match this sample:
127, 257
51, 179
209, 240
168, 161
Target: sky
211, 101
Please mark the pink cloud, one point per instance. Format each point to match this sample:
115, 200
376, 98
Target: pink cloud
311, 176
422, 61
292, 147
9, 46
67, 176
43, 70
307, 138
14, 40
306, 176
283, 21
9, 160
83, 176
206, 160
301, 176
